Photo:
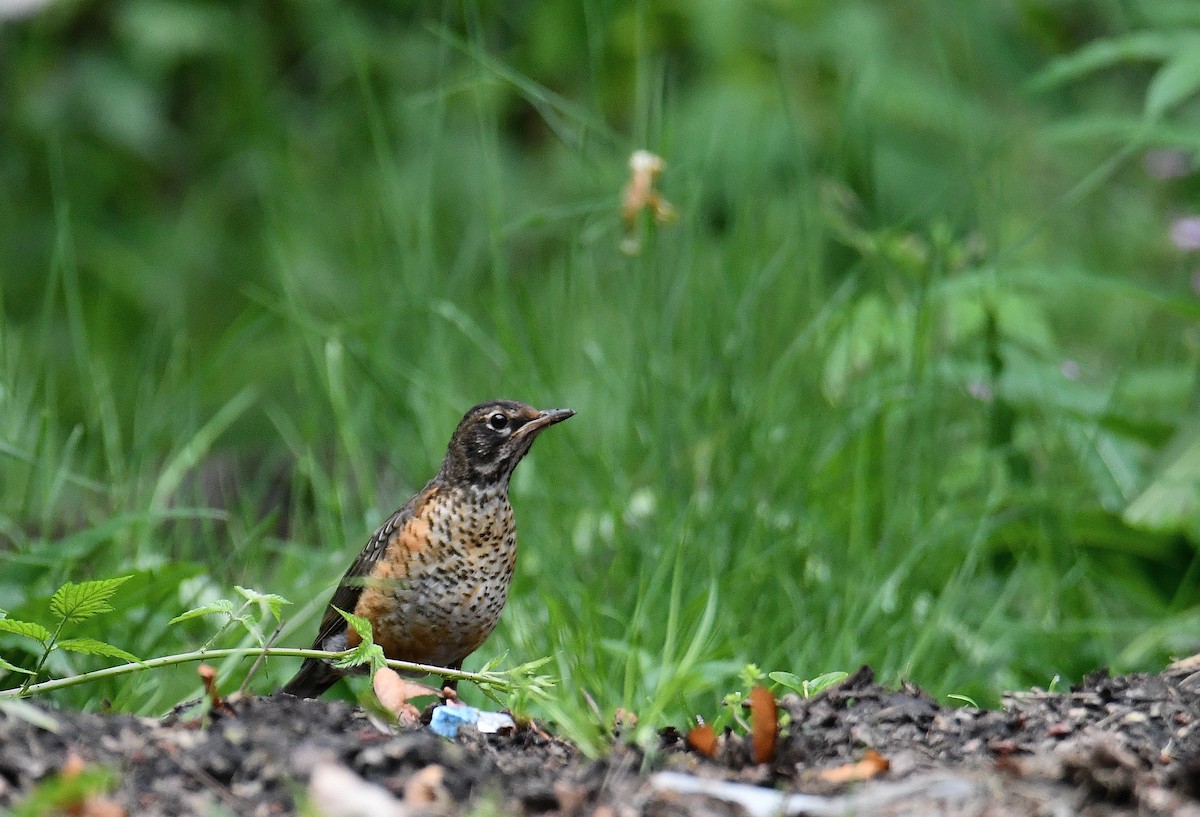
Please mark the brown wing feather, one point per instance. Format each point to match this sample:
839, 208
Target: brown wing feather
350, 588
314, 677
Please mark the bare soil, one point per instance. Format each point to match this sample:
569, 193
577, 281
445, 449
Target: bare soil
1111, 746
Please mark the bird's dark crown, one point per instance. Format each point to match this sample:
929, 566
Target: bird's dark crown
492, 438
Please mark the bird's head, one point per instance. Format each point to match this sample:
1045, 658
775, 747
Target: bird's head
492, 438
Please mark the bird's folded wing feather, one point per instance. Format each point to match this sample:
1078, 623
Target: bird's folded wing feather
351, 586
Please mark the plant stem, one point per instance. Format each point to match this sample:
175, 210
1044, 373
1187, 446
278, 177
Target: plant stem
483, 679
48, 648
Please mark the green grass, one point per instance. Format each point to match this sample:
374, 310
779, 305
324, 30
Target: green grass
886, 392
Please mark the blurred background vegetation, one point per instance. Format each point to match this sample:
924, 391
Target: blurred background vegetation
910, 381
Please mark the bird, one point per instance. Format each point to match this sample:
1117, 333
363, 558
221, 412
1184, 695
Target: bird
434, 577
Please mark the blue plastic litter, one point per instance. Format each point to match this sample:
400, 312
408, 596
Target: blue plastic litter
447, 719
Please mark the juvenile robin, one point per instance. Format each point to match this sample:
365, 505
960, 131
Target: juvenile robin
434, 577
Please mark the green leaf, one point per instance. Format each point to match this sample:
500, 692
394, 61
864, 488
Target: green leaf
806, 689
90, 646
370, 655
222, 606
787, 679
271, 601
367, 652
7, 667
825, 681
1175, 82
25, 628
79, 602
1171, 502
1140, 46
193, 451
29, 713
359, 624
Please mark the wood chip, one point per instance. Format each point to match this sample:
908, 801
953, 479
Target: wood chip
872, 764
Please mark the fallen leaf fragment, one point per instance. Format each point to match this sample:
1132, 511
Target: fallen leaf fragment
335, 791
703, 739
88, 802
764, 724
73, 766
758, 801
570, 796
872, 764
426, 790
396, 693
1189, 664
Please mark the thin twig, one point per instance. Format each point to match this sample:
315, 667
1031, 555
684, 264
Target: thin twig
261, 657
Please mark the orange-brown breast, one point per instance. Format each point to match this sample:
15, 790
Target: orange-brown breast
438, 591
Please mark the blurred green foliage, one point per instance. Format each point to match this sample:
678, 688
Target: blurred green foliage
912, 381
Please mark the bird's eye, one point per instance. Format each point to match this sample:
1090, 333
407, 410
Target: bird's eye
498, 421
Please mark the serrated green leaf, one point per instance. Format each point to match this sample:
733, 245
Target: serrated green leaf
91, 646
25, 628
7, 667
78, 602
273, 602
367, 652
359, 624
223, 606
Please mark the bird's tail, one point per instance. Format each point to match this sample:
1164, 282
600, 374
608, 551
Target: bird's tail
312, 680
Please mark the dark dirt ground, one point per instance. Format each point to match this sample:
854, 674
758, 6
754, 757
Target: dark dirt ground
1111, 746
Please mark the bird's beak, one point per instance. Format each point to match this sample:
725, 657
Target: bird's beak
545, 418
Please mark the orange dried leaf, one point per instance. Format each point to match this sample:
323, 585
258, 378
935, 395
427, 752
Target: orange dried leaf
73, 765
640, 195
764, 724
871, 765
209, 676
394, 693
703, 739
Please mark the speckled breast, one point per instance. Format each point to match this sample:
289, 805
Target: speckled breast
447, 578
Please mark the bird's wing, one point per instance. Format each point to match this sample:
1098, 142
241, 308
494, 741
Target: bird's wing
358, 575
